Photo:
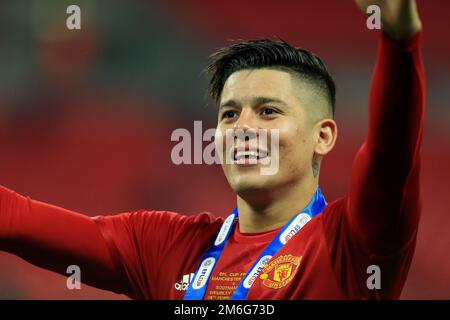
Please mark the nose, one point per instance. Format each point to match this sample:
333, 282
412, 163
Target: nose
247, 122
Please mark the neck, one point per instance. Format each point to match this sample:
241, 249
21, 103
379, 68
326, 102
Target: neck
271, 210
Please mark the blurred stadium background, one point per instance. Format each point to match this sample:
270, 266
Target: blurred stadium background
86, 116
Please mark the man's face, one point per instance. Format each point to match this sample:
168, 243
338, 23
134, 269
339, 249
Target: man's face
266, 99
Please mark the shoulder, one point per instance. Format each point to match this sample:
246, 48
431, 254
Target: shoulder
334, 212
171, 217
145, 220
337, 205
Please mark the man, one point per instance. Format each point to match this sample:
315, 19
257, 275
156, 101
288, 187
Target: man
284, 241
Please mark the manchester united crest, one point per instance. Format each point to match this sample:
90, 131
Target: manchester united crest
280, 271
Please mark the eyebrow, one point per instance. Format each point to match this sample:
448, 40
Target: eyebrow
255, 101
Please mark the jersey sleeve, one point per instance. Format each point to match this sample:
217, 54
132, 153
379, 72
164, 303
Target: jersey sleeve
54, 238
140, 241
375, 225
121, 253
384, 200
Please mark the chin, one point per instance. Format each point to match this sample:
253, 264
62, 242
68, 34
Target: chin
247, 184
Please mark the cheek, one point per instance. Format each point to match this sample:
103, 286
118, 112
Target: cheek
220, 140
295, 147
292, 137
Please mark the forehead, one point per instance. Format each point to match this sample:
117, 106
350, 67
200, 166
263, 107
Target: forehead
245, 84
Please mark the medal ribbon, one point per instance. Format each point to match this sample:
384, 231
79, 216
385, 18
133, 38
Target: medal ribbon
197, 288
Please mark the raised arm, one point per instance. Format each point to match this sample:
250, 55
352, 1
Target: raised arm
384, 201
54, 238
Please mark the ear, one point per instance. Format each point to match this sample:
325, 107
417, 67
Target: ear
326, 136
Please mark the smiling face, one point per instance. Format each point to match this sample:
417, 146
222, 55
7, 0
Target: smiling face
257, 99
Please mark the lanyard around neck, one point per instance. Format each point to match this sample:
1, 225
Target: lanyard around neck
197, 288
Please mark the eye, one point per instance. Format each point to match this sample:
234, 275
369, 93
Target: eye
268, 111
228, 114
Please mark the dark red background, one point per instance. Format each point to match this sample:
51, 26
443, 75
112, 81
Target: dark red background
86, 116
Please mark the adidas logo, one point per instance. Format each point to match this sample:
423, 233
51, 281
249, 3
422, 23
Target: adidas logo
184, 283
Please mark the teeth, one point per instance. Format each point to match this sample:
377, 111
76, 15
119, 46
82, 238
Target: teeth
250, 154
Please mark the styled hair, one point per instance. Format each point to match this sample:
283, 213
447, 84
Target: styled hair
267, 53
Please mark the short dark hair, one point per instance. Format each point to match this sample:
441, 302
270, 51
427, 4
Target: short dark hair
267, 53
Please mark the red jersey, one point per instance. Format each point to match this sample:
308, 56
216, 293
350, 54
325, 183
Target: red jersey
153, 254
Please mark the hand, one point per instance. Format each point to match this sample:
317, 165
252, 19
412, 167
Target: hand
399, 18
